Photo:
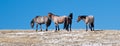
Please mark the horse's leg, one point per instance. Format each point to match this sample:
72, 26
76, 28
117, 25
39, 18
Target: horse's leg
40, 27
36, 27
67, 27
46, 27
86, 28
70, 23
70, 27
64, 25
58, 28
90, 27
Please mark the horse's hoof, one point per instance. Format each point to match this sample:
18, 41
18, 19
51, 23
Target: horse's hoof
46, 30
36, 30
67, 30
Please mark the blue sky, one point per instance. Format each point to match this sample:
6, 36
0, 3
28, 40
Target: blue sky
17, 14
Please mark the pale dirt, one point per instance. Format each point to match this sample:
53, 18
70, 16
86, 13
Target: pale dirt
60, 38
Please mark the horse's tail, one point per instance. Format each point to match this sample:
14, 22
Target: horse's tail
48, 22
71, 15
32, 23
66, 23
92, 24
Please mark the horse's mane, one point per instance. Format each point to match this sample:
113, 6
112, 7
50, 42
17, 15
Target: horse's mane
83, 16
53, 14
36, 16
40, 16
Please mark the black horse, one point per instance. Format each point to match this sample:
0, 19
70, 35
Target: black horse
68, 22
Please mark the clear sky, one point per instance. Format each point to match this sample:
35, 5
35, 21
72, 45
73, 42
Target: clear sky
17, 14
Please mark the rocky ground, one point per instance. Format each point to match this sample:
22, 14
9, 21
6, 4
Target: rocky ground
60, 38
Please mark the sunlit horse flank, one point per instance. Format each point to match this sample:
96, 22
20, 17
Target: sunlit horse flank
60, 20
39, 20
89, 20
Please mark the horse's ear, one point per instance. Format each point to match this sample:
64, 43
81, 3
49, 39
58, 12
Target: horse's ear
32, 23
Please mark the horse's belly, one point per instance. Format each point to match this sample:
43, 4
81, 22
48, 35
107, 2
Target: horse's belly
41, 22
60, 22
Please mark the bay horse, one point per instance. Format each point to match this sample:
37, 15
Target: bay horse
89, 20
67, 20
39, 20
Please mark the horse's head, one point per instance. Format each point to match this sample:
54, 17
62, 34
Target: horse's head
71, 15
79, 18
50, 15
32, 23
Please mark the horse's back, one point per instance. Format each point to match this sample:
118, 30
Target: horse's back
41, 19
91, 16
59, 19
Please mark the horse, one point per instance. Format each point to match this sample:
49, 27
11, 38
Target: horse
89, 20
67, 20
39, 20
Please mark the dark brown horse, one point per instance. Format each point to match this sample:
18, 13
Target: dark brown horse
41, 20
67, 20
89, 20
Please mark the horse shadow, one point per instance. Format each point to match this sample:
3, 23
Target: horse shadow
99, 30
